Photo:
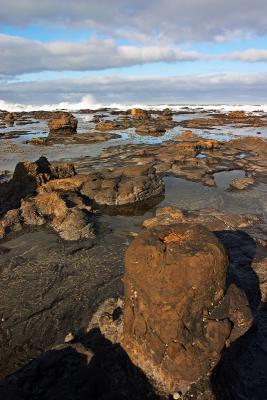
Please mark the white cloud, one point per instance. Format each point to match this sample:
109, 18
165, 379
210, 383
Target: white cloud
249, 55
176, 20
20, 55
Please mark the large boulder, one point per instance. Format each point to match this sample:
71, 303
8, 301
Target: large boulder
63, 124
175, 280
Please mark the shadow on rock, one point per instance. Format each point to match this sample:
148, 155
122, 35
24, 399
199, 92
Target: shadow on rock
242, 370
90, 368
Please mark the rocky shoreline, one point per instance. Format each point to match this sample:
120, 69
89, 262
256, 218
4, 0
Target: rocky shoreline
115, 281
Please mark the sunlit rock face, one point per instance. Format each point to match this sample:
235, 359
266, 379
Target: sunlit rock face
63, 124
178, 315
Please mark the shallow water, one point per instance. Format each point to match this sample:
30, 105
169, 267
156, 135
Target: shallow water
194, 196
10, 156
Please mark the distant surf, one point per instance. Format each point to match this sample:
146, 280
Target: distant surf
87, 102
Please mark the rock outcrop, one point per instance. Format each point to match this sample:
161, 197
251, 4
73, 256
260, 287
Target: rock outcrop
9, 119
178, 315
28, 200
138, 113
107, 126
41, 193
123, 185
151, 129
27, 177
63, 124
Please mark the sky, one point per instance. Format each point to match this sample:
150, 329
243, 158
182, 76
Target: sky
127, 52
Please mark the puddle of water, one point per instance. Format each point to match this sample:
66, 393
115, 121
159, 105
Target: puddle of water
242, 155
201, 156
193, 196
223, 179
29, 136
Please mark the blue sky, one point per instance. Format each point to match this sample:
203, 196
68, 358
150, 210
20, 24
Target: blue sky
123, 42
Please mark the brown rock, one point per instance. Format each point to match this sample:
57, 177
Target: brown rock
150, 129
71, 223
38, 201
106, 126
63, 124
10, 223
187, 136
76, 225
28, 177
33, 174
123, 185
237, 115
138, 113
9, 119
242, 183
174, 277
213, 220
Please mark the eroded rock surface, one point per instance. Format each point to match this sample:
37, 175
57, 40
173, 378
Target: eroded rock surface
26, 201
63, 124
123, 185
175, 279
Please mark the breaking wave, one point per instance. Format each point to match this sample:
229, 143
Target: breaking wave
88, 102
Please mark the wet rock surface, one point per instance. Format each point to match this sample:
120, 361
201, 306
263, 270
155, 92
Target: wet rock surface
59, 284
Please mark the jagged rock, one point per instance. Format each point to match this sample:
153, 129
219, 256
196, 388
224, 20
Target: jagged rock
10, 223
36, 201
9, 119
75, 225
106, 126
151, 129
237, 115
123, 185
187, 136
174, 278
41, 171
27, 177
242, 183
63, 124
138, 113
213, 220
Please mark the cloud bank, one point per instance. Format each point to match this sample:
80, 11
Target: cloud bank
233, 88
19, 55
176, 20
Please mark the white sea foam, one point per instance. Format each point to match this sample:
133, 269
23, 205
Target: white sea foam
88, 102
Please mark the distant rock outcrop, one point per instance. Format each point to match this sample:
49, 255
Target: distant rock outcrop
63, 124
9, 119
